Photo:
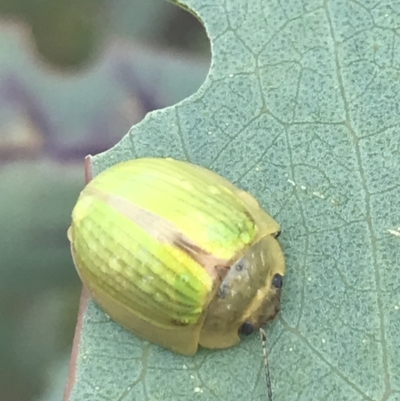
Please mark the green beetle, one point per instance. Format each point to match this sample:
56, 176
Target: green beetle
177, 254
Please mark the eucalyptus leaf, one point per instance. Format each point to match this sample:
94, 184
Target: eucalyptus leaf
301, 108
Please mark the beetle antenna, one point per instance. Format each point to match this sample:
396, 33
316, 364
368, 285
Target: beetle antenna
263, 336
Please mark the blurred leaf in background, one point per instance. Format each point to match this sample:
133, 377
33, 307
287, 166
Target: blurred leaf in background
74, 77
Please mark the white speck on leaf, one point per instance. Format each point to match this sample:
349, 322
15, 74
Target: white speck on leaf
394, 232
318, 195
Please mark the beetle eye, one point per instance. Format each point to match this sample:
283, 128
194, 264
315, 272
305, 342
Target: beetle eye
246, 328
277, 281
277, 234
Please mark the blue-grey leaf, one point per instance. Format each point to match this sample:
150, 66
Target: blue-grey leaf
300, 107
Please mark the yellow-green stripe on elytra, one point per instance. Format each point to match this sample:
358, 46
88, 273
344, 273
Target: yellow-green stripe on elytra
189, 208
176, 253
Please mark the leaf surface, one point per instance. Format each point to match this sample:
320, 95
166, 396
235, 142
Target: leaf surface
301, 108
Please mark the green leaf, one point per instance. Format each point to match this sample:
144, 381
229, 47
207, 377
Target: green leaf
301, 108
